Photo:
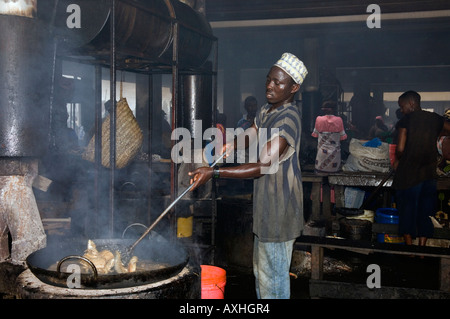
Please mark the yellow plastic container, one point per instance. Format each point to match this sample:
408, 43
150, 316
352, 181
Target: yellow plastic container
184, 226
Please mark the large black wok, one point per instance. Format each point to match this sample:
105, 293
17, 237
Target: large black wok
156, 250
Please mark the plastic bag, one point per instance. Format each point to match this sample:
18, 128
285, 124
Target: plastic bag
367, 159
353, 197
373, 142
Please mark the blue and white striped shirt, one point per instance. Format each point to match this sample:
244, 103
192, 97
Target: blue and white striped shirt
278, 197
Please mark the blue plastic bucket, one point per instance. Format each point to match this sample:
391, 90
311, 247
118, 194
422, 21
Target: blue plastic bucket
388, 216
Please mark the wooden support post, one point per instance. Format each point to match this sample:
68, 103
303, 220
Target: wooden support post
316, 262
339, 196
326, 201
315, 196
444, 274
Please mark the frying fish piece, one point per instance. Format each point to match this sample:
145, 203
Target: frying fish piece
120, 268
106, 262
103, 260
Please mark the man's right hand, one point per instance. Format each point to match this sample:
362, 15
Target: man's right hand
200, 176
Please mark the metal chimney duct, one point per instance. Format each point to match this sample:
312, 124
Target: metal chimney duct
144, 30
25, 84
25, 89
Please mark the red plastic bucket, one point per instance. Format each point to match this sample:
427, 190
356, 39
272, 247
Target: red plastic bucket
213, 280
392, 149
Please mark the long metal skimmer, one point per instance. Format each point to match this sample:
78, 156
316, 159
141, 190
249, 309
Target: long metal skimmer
129, 250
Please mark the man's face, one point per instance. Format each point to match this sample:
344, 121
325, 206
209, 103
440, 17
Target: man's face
406, 105
251, 108
280, 87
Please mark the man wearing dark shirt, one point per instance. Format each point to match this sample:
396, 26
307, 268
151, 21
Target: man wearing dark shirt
415, 165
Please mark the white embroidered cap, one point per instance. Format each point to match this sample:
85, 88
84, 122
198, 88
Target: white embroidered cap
290, 64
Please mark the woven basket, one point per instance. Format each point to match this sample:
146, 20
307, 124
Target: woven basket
128, 137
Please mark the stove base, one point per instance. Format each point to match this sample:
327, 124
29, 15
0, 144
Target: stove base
8, 276
185, 285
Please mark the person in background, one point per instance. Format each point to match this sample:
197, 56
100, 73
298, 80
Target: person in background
364, 108
379, 129
278, 193
61, 161
329, 129
443, 146
415, 167
251, 107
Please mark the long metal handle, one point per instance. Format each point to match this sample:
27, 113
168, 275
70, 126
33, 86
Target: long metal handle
170, 207
375, 192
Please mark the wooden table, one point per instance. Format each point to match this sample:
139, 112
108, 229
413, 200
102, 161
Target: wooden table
320, 195
322, 288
